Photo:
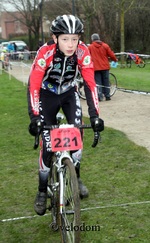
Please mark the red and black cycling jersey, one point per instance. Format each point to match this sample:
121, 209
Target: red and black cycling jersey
62, 73
53, 71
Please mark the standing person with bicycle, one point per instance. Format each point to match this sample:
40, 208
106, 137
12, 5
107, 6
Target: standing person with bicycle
100, 53
52, 86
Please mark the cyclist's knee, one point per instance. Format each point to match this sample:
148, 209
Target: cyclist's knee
45, 159
76, 156
44, 166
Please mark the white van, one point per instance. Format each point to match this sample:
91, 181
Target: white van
21, 48
21, 45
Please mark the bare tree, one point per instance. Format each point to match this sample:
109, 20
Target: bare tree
137, 23
119, 22
122, 6
99, 16
86, 10
31, 17
57, 7
137, 8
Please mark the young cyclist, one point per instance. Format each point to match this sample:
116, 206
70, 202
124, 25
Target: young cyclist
52, 86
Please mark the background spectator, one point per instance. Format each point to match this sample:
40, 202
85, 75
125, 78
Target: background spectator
100, 53
10, 49
15, 50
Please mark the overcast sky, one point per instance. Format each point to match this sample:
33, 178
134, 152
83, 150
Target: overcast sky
7, 6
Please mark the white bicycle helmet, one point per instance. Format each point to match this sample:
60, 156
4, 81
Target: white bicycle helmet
67, 24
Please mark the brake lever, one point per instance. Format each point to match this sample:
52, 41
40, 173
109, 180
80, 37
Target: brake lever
97, 138
36, 143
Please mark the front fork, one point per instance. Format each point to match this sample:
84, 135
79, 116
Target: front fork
58, 186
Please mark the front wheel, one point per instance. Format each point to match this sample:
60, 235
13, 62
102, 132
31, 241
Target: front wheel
112, 83
70, 216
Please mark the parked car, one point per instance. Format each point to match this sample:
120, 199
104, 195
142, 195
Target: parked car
20, 52
21, 45
21, 49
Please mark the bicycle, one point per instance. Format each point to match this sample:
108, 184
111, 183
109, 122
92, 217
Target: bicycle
112, 85
136, 59
63, 193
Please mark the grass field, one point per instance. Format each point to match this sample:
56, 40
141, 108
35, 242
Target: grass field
116, 174
133, 78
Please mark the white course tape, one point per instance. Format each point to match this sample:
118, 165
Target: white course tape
83, 209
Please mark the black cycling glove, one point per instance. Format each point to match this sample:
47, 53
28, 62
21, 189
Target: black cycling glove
97, 124
34, 126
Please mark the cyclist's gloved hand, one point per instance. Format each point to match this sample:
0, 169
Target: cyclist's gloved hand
34, 126
97, 124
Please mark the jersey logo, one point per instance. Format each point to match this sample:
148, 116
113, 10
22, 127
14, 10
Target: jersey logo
42, 62
87, 60
69, 68
57, 66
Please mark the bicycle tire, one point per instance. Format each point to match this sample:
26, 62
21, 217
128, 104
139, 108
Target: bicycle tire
112, 83
141, 64
53, 195
70, 217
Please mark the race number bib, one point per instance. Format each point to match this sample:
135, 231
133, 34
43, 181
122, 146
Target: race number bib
66, 139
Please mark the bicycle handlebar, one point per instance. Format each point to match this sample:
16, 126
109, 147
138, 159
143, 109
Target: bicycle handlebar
97, 137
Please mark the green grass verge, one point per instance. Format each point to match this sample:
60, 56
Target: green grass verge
133, 78
116, 173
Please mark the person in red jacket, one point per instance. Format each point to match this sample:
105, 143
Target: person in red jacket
100, 53
52, 86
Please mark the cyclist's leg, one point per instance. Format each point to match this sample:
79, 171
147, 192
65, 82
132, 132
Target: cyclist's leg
98, 79
71, 107
106, 85
48, 116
